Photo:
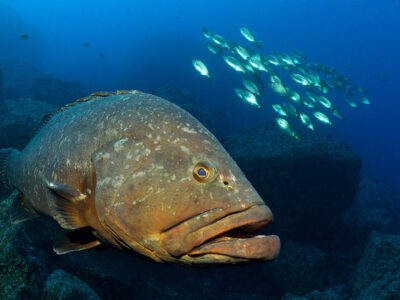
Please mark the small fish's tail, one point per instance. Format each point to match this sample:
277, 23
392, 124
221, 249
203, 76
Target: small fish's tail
7, 160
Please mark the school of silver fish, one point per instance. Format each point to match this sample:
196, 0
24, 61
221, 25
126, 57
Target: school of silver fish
314, 101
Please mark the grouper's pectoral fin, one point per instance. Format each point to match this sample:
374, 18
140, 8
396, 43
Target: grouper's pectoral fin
78, 240
21, 209
70, 205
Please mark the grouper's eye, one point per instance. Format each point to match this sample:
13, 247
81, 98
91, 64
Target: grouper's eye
202, 172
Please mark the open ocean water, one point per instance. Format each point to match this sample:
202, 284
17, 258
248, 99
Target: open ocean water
302, 94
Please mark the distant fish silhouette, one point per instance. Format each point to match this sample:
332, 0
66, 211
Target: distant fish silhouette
24, 37
86, 45
101, 55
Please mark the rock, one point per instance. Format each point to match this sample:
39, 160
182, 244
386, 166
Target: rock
63, 286
298, 269
376, 208
19, 119
335, 293
307, 184
55, 91
378, 272
16, 280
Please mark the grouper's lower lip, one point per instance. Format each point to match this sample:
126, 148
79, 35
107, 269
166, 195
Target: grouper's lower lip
229, 238
258, 247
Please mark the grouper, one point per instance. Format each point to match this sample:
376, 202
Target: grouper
135, 171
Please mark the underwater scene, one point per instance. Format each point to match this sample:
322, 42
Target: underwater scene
200, 149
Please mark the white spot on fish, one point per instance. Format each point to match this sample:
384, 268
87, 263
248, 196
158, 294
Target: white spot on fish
119, 145
188, 130
129, 156
103, 181
185, 149
117, 181
138, 174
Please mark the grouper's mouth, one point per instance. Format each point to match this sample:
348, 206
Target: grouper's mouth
220, 237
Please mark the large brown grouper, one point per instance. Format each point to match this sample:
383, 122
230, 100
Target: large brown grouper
133, 170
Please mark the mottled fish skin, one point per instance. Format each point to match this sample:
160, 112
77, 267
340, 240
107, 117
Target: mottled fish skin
133, 155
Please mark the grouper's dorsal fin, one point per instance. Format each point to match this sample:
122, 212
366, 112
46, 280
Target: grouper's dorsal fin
70, 205
46, 118
78, 240
21, 209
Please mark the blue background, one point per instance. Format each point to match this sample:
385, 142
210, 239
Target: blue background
150, 44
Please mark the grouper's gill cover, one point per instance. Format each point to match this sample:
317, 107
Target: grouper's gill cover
164, 186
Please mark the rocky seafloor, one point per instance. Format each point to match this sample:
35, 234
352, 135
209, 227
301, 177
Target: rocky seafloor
339, 229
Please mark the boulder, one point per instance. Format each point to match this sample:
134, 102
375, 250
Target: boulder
375, 209
298, 269
63, 286
308, 184
335, 293
378, 272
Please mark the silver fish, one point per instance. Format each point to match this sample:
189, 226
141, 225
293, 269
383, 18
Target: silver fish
325, 102
206, 33
250, 98
200, 67
242, 52
249, 36
234, 63
251, 86
219, 40
365, 101
322, 117
306, 121
299, 79
279, 110
278, 88
285, 126
214, 48
351, 102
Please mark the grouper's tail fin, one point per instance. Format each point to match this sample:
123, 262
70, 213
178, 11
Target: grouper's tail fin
7, 160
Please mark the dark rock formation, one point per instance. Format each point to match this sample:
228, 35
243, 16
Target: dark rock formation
375, 209
55, 91
63, 286
378, 273
298, 269
335, 293
308, 184
19, 119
